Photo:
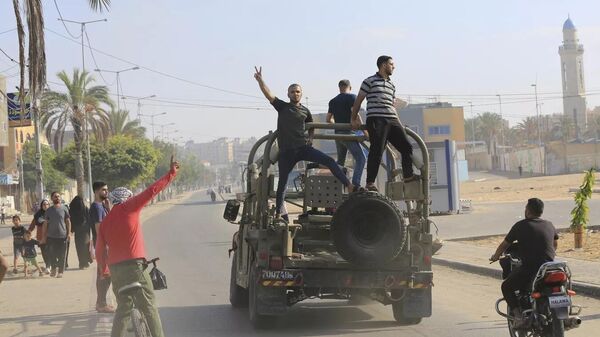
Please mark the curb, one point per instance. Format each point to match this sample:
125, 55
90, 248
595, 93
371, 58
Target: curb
591, 290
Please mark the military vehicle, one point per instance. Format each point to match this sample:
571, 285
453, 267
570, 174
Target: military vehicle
340, 246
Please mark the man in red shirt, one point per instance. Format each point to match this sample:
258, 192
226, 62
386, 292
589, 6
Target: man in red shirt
120, 234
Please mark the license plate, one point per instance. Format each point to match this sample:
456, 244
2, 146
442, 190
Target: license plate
559, 301
278, 275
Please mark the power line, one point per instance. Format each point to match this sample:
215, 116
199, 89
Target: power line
87, 37
63, 22
8, 31
8, 56
157, 71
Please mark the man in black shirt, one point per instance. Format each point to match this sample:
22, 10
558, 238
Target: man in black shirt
537, 240
340, 111
294, 145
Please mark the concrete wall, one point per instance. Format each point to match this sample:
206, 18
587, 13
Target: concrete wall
479, 161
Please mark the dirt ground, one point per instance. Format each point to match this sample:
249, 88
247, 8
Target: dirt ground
589, 252
499, 189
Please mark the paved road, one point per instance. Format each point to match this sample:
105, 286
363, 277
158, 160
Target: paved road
192, 241
495, 218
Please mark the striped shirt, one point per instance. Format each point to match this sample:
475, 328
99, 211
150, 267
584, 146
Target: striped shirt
380, 96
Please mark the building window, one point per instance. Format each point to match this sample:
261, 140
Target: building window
436, 130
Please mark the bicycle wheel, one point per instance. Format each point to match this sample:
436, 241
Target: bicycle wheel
140, 326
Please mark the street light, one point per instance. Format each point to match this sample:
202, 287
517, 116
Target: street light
501, 119
152, 120
87, 137
139, 105
117, 72
162, 129
472, 128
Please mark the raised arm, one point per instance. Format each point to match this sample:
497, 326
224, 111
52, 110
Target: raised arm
263, 87
355, 120
139, 201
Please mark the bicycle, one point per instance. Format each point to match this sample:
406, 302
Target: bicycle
139, 325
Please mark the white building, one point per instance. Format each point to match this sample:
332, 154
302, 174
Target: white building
573, 84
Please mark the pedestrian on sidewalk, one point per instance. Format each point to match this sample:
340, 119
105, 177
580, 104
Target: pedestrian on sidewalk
57, 226
340, 111
98, 211
3, 215
37, 224
18, 233
80, 226
383, 123
29, 254
294, 145
120, 247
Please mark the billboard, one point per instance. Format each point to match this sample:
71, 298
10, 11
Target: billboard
14, 111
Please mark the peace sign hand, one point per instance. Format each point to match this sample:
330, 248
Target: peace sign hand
258, 73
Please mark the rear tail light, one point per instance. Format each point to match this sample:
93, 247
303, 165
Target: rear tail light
555, 277
276, 262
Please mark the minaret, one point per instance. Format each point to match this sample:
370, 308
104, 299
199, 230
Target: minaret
573, 84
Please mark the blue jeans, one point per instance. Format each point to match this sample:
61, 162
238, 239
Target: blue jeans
358, 154
289, 158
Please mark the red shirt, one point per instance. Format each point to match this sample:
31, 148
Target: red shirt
120, 231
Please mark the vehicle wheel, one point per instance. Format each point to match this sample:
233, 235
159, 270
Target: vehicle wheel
398, 310
556, 329
368, 229
258, 320
140, 326
238, 296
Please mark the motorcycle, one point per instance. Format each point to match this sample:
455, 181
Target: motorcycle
547, 307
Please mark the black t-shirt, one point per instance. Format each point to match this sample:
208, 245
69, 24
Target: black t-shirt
18, 234
536, 241
29, 248
290, 124
341, 109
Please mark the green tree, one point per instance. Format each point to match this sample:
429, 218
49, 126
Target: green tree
120, 124
122, 161
528, 129
490, 125
54, 180
82, 104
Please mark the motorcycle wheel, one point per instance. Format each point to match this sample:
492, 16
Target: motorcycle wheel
556, 328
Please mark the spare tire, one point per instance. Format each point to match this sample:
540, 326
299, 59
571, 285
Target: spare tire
368, 229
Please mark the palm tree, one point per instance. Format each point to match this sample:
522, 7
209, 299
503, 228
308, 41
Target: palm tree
79, 107
490, 125
528, 128
121, 125
37, 49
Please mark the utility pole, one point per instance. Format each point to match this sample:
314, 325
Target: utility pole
85, 122
139, 106
117, 72
162, 130
472, 128
537, 113
501, 118
152, 121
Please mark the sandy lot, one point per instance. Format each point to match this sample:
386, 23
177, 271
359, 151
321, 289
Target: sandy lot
499, 189
590, 251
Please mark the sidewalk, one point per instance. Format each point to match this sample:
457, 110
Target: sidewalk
44, 306
475, 259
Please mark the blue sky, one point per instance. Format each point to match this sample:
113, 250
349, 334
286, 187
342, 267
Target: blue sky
455, 50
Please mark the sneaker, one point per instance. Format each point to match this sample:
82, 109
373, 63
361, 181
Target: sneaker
59, 275
53, 272
371, 187
45, 270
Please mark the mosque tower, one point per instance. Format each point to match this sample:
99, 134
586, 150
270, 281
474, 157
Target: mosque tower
573, 84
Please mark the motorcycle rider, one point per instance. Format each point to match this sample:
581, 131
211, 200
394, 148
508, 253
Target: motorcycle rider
537, 240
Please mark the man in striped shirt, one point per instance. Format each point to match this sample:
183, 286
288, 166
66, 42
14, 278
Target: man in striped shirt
383, 123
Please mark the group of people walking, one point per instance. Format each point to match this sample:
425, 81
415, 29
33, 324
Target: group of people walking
383, 126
